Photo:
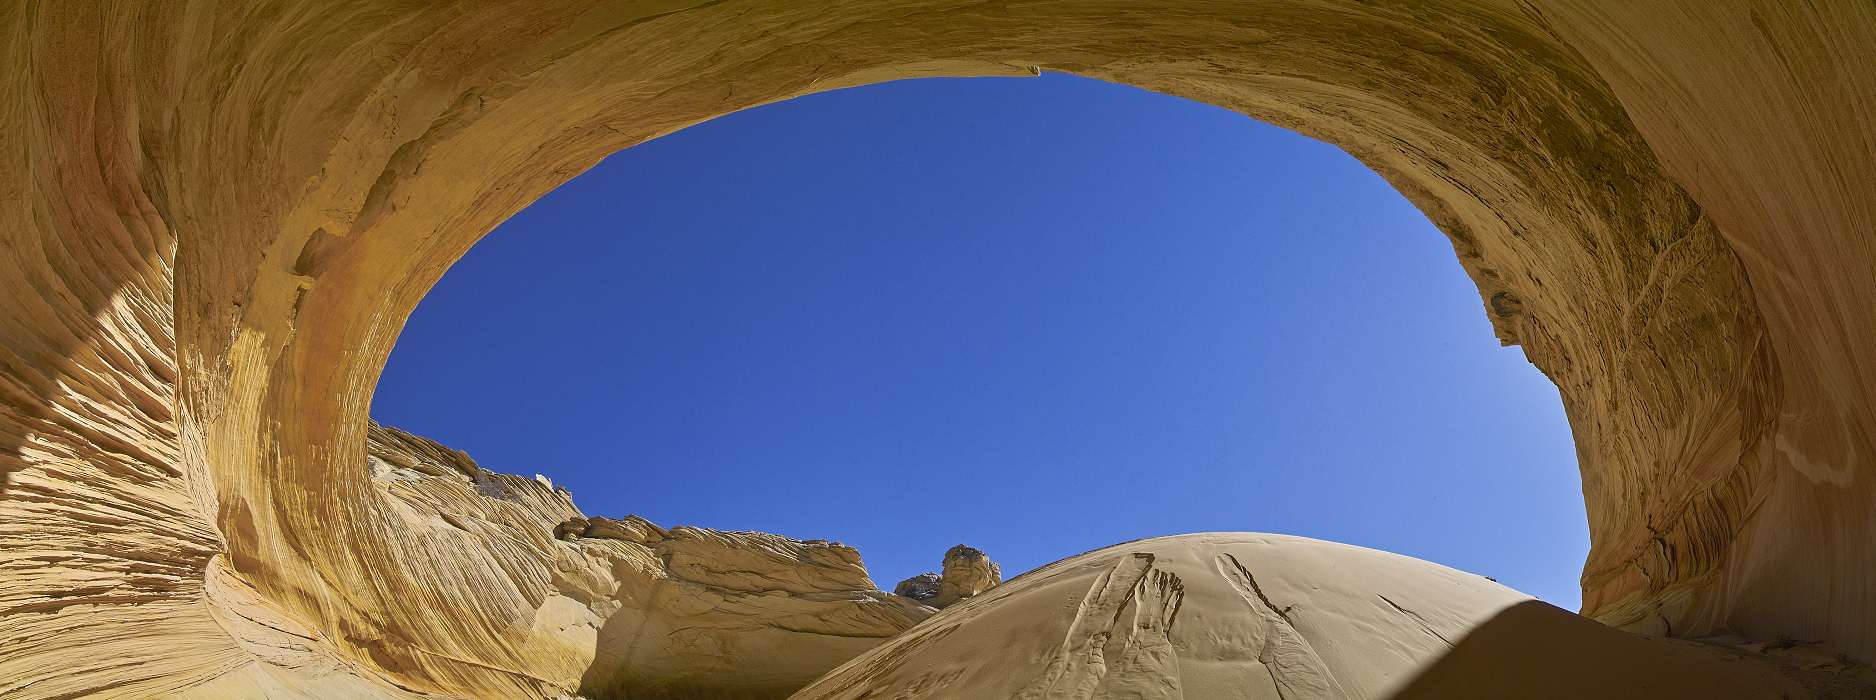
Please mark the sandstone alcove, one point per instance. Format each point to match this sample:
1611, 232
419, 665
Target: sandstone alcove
1035, 315
220, 216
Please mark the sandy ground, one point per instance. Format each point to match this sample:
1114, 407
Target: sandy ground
1243, 615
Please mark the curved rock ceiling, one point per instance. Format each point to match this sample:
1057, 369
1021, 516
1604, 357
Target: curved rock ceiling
218, 217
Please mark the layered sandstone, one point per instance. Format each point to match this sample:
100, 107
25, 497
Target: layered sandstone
630, 609
218, 217
636, 610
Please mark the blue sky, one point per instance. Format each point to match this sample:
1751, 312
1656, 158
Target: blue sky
1037, 316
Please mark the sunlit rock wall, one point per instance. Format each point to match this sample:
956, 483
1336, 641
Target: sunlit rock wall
218, 216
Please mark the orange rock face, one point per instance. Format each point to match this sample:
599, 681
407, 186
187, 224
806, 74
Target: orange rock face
218, 216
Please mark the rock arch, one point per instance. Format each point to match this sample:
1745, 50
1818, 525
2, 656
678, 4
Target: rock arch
219, 217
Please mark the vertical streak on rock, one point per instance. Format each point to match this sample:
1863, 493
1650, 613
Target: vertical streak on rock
102, 550
1148, 668
1078, 665
1418, 620
1293, 663
1766, 112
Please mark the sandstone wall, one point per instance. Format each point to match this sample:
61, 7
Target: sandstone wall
219, 215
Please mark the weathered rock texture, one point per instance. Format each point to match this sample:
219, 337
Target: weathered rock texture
922, 587
218, 215
642, 611
630, 609
1269, 617
967, 573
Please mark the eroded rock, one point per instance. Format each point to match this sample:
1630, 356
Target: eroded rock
922, 587
641, 611
217, 220
631, 528
967, 572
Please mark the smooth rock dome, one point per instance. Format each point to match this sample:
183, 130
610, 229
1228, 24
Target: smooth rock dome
1248, 615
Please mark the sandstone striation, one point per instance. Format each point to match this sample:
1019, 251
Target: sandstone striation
631, 529
628, 609
645, 612
219, 215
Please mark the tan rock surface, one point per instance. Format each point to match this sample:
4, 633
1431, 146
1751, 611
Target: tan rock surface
219, 215
637, 610
966, 572
628, 609
1270, 617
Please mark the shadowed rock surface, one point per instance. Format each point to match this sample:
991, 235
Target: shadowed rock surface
922, 587
218, 217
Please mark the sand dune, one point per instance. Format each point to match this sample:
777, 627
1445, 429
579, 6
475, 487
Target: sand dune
1257, 616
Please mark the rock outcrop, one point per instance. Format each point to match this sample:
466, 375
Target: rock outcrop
967, 573
647, 612
631, 529
921, 588
219, 215
634, 610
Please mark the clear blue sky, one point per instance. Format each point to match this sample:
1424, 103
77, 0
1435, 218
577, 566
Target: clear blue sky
1037, 316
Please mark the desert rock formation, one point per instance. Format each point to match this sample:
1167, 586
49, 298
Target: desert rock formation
630, 609
967, 572
1269, 617
922, 587
218, 217
642, 611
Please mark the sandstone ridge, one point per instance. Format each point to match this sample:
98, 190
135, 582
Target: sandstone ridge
628, 609
643, 611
